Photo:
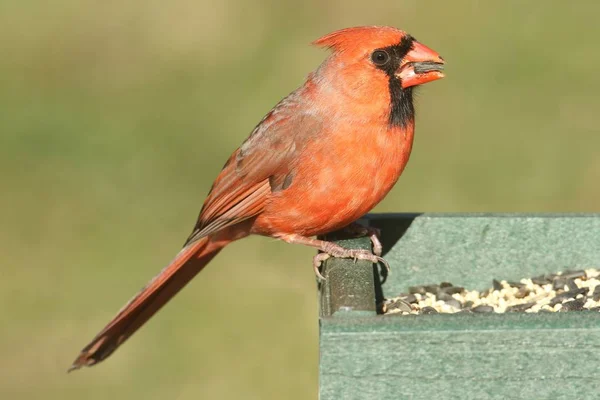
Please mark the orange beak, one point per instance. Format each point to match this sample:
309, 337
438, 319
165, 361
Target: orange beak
420, 65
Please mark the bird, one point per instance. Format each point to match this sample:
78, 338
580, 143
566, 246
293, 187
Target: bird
323, 157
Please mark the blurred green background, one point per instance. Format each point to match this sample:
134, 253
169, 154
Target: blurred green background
116, 117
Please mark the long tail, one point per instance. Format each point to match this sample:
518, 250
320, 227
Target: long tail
148, 301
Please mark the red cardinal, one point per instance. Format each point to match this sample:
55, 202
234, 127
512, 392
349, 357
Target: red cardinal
321, 159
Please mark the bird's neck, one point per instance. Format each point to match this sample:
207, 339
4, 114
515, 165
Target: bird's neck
402, 109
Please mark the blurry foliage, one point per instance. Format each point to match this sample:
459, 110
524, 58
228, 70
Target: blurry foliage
116, 117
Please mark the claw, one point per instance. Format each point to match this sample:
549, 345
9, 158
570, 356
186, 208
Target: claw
385, 263
317, 261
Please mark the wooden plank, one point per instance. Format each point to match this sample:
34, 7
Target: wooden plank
349, 285
509, 356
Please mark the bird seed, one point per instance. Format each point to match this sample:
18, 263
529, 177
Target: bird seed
577, 290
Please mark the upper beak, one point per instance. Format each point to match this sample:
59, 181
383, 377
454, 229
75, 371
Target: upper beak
420, 65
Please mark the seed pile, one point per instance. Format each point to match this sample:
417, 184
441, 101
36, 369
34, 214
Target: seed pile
559, 292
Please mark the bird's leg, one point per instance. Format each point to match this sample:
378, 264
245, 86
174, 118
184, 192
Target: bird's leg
330, 249
358, 229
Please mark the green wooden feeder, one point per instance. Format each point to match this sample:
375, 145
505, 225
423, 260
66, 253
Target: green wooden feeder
459, 356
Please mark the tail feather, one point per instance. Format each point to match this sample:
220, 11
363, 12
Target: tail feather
148, 301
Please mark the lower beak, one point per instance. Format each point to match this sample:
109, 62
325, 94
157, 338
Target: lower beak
420, 65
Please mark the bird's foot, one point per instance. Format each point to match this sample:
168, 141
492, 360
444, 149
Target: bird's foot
330, 249
333, 250
358, 229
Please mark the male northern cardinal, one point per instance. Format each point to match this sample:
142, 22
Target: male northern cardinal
321, 159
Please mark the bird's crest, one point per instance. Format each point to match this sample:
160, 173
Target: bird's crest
371, 36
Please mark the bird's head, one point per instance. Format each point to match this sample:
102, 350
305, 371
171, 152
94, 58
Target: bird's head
379, 65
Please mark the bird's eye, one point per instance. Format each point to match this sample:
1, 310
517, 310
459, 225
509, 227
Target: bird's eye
380, 57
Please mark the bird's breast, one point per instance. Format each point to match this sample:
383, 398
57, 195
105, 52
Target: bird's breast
339, 177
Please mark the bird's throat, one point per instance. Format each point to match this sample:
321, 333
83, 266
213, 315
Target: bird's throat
402, 109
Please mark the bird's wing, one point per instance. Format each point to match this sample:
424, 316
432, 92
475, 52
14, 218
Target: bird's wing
259, 167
